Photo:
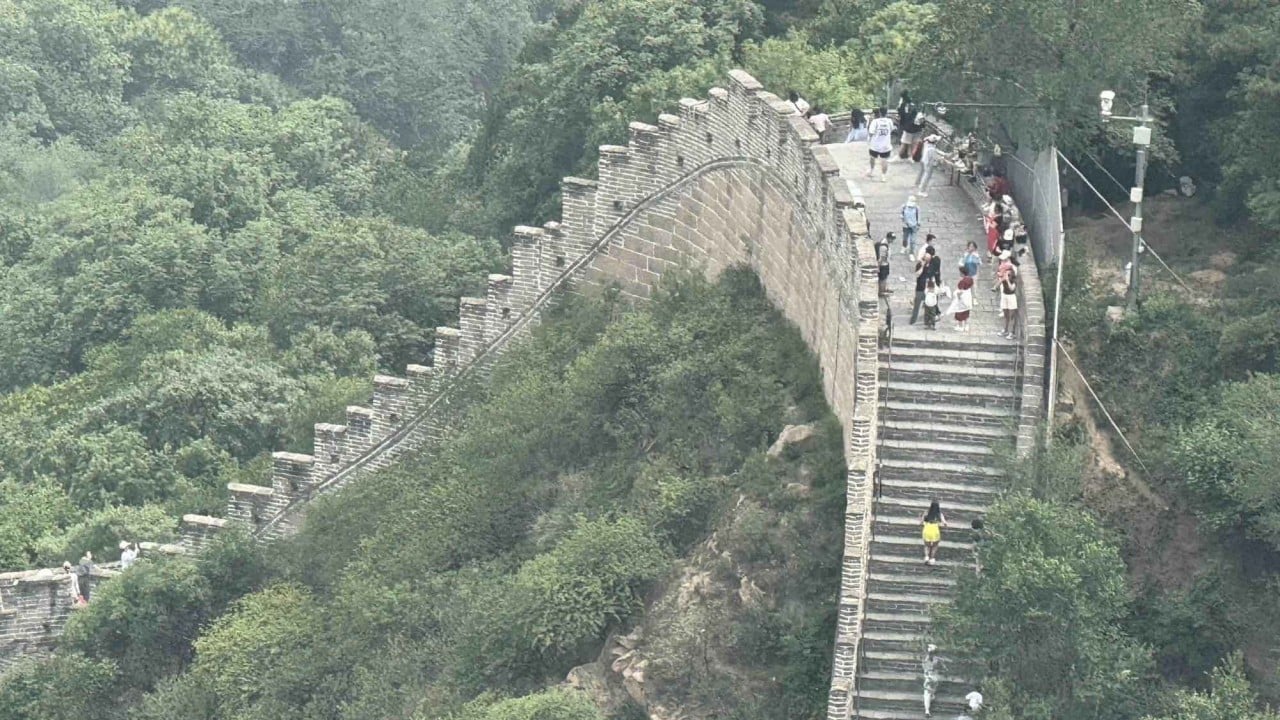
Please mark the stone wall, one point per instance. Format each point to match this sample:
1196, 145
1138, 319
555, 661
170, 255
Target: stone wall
736, 178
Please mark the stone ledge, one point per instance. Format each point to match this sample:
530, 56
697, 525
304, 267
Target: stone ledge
243, 489
204, 521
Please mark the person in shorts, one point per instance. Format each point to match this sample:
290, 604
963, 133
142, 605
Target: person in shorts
880, 143
1009, 304
907, 120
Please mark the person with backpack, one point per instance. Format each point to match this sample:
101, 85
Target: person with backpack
910, 213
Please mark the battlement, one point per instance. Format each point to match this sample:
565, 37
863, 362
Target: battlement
736, 178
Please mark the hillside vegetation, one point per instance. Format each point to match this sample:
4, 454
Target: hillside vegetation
219, 217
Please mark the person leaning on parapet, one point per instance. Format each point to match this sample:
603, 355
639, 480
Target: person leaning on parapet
128, 554
83, 570
74, 588
798, 103
821, 123
882, 262
880, 144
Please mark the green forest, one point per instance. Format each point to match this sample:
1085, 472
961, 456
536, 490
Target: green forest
219, 218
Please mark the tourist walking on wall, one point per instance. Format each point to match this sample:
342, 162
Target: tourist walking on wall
857, 127
931, 310
1009, 304
910, 213
972, 260
929, 156
83, 569
932, 521
882, 260
929, 669
962, 303
922, 282
880, 143
979, 537
974, 700
907, 119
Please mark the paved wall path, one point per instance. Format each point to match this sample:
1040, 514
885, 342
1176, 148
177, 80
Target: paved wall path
947, 212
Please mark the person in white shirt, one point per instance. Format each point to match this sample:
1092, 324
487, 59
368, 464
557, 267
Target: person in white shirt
880, 143
821, 123
798, 103
128, 554
974, 701
930, 671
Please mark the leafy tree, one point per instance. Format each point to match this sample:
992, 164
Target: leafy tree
1230, 698
64, 687
1228, 459
1054, 584
1059, 54
548, 705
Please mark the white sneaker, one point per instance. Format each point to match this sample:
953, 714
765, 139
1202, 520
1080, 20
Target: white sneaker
884, 177
923, 194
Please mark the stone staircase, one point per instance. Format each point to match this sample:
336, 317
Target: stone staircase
946, 400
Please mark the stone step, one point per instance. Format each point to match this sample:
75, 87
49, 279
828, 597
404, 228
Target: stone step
869, 711
998, 417
893, 641
943, 492
939, 588
894, 372
906, 562
929, 470
908, 338
940, 431
913, 681
953, 396
906, 544
945, 705
951, 357
897, 602
888, 661
917, 623
903, 526
958, 514
936, 452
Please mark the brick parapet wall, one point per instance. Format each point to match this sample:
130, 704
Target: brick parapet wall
736, 178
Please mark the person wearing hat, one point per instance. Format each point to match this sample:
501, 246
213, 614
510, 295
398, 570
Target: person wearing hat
929, 666
928, 157
910, 225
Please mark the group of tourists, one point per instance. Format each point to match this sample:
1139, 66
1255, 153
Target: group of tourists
79, 574
1006, 234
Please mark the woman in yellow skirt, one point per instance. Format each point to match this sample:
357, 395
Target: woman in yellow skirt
933, 521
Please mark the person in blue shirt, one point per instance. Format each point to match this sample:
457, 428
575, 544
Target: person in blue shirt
910, 225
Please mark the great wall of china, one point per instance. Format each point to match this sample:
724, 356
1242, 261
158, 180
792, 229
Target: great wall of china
737, 178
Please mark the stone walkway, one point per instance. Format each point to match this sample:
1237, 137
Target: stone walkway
948, 213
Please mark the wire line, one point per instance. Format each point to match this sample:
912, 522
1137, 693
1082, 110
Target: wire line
1098, 400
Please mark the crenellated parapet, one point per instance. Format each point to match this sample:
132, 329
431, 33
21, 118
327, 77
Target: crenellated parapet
731, 179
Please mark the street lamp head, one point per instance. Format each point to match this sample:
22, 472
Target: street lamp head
1106, 99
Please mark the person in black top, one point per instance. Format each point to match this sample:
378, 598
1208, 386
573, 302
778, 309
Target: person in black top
922, 283
935, 265
882, 260
907, 120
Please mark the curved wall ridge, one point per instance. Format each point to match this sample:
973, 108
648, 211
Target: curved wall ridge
736, 178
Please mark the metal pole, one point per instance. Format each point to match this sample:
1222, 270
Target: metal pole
1141, 138
1053, 342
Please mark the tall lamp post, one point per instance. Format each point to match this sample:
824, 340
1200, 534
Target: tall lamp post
1141, 139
